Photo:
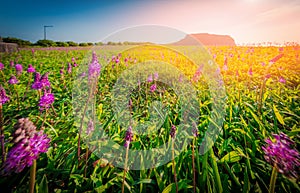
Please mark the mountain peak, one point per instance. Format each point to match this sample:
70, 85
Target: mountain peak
206, 39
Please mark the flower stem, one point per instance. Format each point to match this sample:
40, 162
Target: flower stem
32, 177
45, 115
18, 100
273, 180
125, 168
86, 161
261, 96
2, 135
193, 162
216, 171
28, 85
82, 118
174, 166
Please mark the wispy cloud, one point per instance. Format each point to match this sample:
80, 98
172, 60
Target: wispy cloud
282, 13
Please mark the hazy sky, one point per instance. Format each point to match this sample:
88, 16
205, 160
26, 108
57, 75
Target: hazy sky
247, 21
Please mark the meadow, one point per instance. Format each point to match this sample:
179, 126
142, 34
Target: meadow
71, 102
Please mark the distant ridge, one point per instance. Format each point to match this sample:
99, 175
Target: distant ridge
206, 39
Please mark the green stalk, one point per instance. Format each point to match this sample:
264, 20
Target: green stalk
174, 166
204, 171
261, 96
193, 162
32, 177
216, 171
273, 180
28, 85
2, 135
125, 168
81, 121
18, 100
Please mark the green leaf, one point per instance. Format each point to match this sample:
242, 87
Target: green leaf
144, 181
182, 184
43, 186
231, 157
277, 114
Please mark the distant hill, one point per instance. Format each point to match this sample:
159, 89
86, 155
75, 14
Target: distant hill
207, 40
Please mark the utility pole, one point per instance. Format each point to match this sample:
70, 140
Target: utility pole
45, 34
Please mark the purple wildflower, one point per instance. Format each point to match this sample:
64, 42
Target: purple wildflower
282, 80
44, 81
276, 58
3, 97
195, 130
180, 79
69, 69
90, 127
1, 66
30, 69
128, 137
268, 76
94, 67
46, 100
130, 103
153, 87
19, 68
225, 61
36, 83
282, 155
150, 79
173, 131
11, 63
13, 80
61, 71
155, 76
250, 72
28, 144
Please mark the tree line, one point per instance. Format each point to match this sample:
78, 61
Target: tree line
51, 43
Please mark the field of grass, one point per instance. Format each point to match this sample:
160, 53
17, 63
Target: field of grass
249, 95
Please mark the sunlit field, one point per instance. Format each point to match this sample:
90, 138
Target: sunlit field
44, 130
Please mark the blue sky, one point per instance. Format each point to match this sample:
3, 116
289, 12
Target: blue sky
247, 21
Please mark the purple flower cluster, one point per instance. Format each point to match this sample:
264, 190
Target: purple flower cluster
19, 68
150, 79
153, 77
3, 97
195, 130
1, 66
28, 144
173, 131
69, 69
30, 69
13, 80
282, 80
281, 155
40, 82
153, 87
90, 127
250, 72
128, 136
94, 67
46, 100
